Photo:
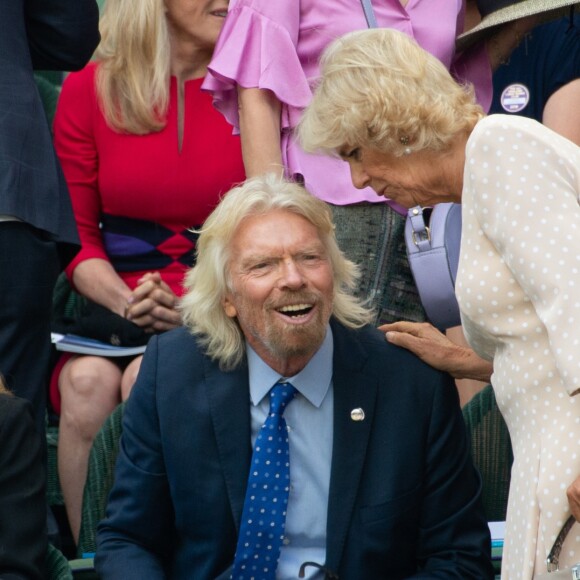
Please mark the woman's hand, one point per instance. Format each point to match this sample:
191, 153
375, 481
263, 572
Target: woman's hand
434, 348
152, 305
573, 493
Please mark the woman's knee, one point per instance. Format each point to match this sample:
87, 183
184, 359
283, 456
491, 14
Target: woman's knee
90, 390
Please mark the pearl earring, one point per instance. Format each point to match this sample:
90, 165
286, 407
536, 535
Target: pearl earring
407, 151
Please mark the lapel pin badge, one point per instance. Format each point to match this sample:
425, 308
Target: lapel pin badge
357, 414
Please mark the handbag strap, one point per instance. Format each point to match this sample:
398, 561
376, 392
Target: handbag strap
367, 6
421, 236
553, 559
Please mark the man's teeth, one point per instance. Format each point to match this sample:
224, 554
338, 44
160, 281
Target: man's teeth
295, 307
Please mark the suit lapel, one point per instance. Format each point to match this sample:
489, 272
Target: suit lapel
352, 390
228, 395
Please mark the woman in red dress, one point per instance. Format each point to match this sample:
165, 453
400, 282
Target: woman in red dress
146, 158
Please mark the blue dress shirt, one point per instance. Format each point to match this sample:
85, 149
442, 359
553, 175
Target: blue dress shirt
310, 424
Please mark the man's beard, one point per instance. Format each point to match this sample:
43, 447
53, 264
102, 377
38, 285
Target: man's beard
287, 340
295, 341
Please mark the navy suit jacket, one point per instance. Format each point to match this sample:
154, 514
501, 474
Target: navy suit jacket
404, 496
41, 35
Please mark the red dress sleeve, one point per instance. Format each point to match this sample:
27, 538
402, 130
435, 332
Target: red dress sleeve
74, 136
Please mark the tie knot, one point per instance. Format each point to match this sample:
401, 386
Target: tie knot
280, 395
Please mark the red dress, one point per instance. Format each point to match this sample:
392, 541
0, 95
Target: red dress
136, 197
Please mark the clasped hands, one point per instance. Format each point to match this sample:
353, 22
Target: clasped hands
152, 305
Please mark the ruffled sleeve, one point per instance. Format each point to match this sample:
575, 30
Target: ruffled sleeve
257, 48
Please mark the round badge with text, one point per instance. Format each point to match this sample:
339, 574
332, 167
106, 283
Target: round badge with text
515, 98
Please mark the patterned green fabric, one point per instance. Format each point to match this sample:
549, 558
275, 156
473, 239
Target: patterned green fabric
56, 565
53, 490
492, 451
66, 303
99, 479
49, 93
54, 77
372, 236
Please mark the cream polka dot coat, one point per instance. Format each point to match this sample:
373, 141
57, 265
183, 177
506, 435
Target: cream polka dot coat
518, 287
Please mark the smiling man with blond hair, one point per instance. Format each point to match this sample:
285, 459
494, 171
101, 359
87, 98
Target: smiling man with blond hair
360, 467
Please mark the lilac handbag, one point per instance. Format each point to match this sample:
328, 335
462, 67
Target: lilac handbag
432, 237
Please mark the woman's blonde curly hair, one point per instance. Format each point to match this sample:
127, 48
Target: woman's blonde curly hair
379, 89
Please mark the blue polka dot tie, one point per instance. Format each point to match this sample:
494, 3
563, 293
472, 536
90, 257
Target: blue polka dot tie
264, 514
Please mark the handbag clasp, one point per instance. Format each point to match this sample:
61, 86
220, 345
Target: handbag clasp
427, 237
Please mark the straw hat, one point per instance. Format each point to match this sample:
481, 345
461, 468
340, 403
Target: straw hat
496, 12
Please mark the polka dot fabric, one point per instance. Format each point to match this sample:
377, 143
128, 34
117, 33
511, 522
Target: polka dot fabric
518, 288
264, 514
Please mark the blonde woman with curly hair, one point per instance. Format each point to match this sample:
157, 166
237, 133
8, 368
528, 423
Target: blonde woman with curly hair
146, 159
262, 77
407, 130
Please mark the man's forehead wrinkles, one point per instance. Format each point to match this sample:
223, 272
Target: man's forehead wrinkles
281, 252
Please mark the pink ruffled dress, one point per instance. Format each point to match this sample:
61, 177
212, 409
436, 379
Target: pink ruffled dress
276, 45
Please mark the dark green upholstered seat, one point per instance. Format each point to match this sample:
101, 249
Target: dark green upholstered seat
491, 450
53, 490
56, 566
49, 93
99, 479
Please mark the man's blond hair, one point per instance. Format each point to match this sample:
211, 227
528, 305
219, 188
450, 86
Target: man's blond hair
207, 283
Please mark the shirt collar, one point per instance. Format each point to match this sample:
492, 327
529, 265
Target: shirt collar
312, 381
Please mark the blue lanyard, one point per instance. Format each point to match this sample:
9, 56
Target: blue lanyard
369, 13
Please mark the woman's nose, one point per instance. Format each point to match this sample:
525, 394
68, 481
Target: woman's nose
359, 177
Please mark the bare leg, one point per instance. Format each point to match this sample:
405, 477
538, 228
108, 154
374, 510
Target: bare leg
130, 376
90, 390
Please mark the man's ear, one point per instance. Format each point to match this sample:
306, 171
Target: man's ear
229, 307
